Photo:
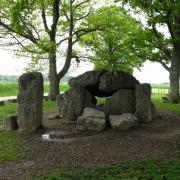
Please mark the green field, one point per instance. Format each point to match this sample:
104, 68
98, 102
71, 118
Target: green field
164, 85
11, 89
10, 109
156, 98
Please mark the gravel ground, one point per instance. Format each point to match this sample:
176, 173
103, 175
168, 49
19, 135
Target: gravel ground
160, 137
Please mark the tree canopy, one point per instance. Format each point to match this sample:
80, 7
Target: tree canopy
42, 29
163, 14
121, 43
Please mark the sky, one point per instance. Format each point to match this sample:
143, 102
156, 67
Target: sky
150, 72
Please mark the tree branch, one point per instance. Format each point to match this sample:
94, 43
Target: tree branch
78, 5
43, 14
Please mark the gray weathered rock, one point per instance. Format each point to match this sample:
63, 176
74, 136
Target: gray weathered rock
91, 112
60, 101
143, 103
154, 111
113, 81
10, 123
104, 83
91, 120
118, 84
30, 101
1, 103
89, 78
123, 122
76, 99
123, 101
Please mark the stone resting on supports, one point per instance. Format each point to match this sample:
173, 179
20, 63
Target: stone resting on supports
30, 101
124, 95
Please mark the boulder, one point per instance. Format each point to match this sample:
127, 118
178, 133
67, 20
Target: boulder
30, 101
123, 122
10, 123
89, 78
1, 103
104, 83
91, 112
115, 80
75, 100
143, 103
91, 120
123, 101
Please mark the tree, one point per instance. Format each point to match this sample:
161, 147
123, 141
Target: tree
40, 28
164, 13
122, 42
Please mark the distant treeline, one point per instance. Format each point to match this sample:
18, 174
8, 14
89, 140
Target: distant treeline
8, 79
14, 79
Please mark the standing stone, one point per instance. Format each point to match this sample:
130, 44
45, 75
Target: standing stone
123, 101
75, 100
10, 123
30, 101
143, 103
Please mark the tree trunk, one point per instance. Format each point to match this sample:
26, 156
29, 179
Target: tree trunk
53, 78
67, 64
175, 63
174, 75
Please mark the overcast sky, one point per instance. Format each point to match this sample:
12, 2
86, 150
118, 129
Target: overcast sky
150, 73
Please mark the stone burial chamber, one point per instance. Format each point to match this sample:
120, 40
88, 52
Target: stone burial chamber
126, 100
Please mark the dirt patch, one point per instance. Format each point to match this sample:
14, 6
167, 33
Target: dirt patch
159, 138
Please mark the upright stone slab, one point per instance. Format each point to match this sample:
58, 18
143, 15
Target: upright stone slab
123, 101
30, 101
143, 103
76, 99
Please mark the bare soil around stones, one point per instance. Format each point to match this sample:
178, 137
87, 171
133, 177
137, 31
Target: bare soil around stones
159, 138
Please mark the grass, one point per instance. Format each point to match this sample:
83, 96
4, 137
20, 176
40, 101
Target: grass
10, 109
135, 169
166, 106
9, 144
9, 141
11, 89
8, 89
47, 105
